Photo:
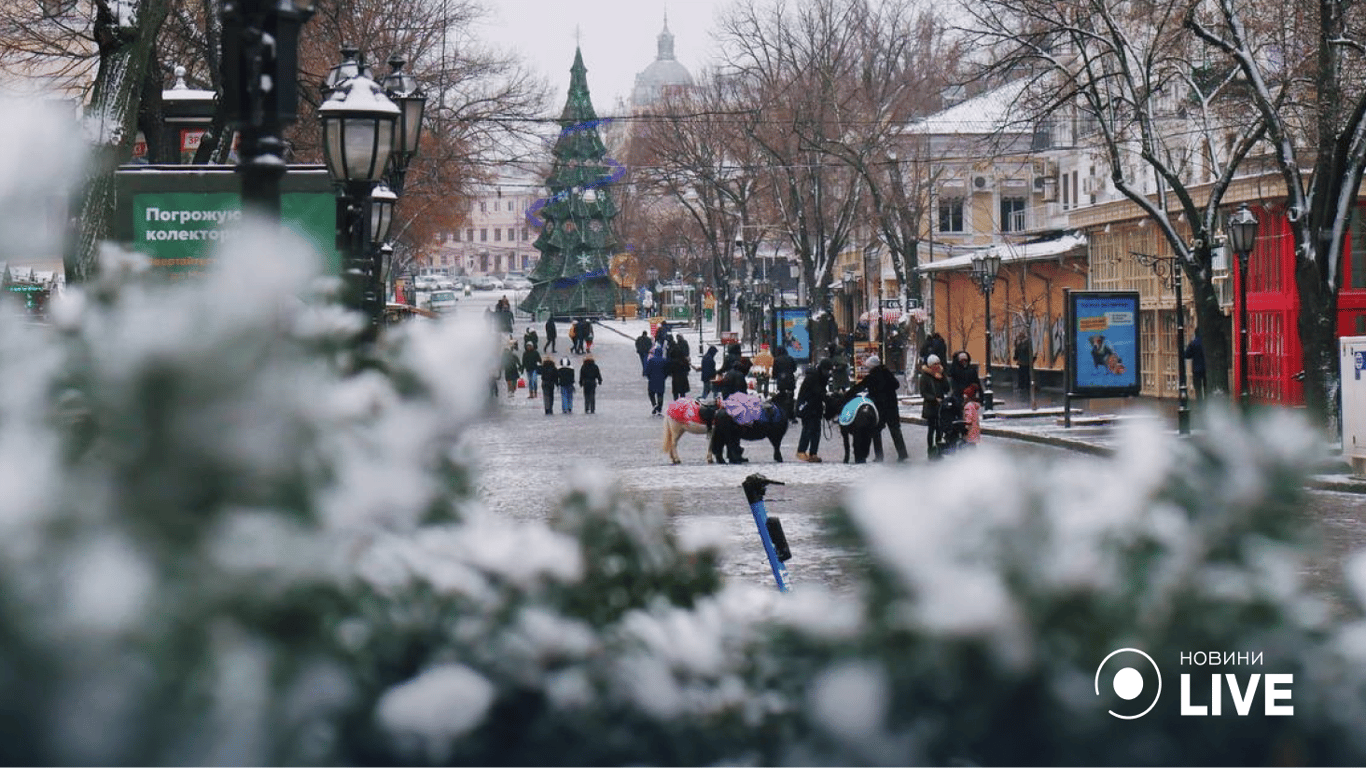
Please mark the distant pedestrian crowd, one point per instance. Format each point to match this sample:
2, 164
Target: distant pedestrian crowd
528, 365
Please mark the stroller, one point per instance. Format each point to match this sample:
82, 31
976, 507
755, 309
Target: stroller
953, 429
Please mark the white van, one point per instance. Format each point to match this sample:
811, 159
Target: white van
444, 302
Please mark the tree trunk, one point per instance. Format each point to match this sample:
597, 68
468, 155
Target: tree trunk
1318, 339
126, 53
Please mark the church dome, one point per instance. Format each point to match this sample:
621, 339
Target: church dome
664, 72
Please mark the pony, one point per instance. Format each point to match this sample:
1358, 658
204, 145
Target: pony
766, 421
857, 419
687, 417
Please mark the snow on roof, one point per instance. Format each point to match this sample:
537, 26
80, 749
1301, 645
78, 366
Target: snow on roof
1011, 253
982, 114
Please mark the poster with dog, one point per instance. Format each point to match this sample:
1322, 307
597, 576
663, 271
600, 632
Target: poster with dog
1104, 342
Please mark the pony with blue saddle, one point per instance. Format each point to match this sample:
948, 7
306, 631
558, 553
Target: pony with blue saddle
858, 418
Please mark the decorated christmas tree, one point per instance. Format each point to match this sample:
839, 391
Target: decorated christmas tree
576, 240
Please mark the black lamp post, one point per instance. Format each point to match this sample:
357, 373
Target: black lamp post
849, 277
698, 285
403, 90
872, 270
984, 269
260, 65
1242, 236
1160, 265
358, 134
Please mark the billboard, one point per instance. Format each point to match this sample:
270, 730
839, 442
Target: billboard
177, 214
1103, 339
793, 326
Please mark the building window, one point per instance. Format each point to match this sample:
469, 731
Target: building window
497, 234
524, 233
483, 235
445, 260
1066, 192
1012, 214
1356, 265
495, 206
951, 214
512, 234
483, 207
469, 235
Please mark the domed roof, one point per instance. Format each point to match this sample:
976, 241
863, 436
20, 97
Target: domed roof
664, 72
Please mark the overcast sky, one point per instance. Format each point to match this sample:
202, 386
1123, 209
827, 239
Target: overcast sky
618, 38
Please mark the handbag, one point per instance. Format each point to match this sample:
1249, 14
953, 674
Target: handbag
521, 383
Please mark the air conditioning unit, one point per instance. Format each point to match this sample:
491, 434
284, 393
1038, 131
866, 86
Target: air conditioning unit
981, 183
1092, 185
1048, 187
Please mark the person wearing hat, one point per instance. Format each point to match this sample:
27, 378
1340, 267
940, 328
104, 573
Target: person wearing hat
934, 387
512, 367
881, 386
811, 409
566, 384
550, 374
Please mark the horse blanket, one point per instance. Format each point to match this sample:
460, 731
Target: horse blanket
746, 408
850, 410
688, 411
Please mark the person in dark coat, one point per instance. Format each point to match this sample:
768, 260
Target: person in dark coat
590, 376
934, 387
1195, 352
733, 356
531, 363
681, 344
531, 338
708, 369
586, 336
565, 381
934, 345
643, 345
784, 371
811, 409
512, 368
550, 334
679, 369
656, 373
962, 372
550, 374
1024, 362
733, 381
881, 385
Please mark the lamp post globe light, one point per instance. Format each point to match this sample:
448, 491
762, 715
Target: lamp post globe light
358, 124
403, 90
872, 271
1242, 236
985, 266
259, 67
698, 285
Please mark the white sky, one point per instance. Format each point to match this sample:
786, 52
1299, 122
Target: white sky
618, 38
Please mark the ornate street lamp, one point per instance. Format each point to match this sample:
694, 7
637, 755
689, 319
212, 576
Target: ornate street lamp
260, 66
403, 90
358, 125
984, 269
1242, 236
1160, 266
698, 285
872, 270
382, 201
351, 65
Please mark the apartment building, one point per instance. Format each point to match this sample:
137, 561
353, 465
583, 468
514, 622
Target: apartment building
497, 238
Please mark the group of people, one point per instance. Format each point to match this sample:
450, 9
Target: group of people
542, 375
951, 401
665, 360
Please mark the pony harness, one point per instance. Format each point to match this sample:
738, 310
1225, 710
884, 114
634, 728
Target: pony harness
850, 410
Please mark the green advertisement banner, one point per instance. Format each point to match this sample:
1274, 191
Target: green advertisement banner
179, 230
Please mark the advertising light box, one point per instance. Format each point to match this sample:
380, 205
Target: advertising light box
1104, 340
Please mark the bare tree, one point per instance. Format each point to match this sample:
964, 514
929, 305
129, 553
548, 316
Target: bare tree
1300, 71
1150, 107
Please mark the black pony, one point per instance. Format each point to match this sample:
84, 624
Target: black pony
726, 432
859, 422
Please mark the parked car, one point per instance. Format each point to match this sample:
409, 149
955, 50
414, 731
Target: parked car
517, 283
487, 283
444, 302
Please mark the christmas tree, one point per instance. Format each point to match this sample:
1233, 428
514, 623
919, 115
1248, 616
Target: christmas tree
576, 240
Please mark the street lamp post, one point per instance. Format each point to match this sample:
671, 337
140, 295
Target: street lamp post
872, 270
1242, 236
1160, 266
358, 124
699, 284
984, 269
849, 277
260, 65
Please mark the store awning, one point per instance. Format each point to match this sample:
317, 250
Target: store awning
1014, 252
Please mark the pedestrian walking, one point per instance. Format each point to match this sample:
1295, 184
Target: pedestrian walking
566, 384
881, 385
811, 409
972, 414
531, 365
550, 334
785, 373
708, 369
681, 344
1024, 362
734, 380
587, 335
679, 369
643, 345
656, 373
512, 368
531, 338
574, 337
1195, 352
934, 387
550, 374
590, 376
934, 345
